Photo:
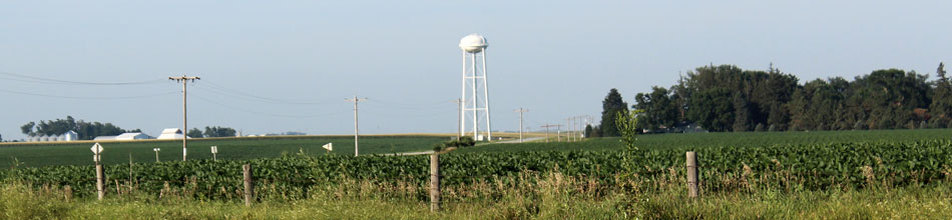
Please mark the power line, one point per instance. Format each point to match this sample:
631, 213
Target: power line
415, 105
87, 97
255, 99
263, 113
558, 135
35, 79
232, 92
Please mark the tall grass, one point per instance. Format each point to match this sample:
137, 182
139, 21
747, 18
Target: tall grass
529, 196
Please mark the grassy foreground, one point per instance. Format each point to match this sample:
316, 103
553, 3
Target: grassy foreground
549, 200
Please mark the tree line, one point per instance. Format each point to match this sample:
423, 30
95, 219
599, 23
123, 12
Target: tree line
727, 98
214, 131
84, 130
90, 130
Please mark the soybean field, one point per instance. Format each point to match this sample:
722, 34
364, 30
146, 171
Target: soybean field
64, 153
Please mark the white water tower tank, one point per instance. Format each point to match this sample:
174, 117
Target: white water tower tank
473, 43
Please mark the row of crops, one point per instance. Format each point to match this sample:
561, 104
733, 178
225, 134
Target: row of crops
809, 167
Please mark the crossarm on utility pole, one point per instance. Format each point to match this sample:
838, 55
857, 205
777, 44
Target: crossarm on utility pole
184, 79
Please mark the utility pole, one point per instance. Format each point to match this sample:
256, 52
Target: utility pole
459, 118
575, 127
568, 129
184, 79
546, 126
355, 100
520, 111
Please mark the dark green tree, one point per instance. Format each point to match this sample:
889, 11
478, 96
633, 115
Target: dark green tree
588, 131
611, 107
712, 109
742, 112
27, 129
726, 98
219, 132
941, 106
194, 133
660, 112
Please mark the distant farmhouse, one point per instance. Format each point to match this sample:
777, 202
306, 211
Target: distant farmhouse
125, 137
171, 133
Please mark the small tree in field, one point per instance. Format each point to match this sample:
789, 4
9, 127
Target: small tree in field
627, 124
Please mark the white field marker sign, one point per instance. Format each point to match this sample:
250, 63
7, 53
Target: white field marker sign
329, 146
215, 153
156, 153
96, 149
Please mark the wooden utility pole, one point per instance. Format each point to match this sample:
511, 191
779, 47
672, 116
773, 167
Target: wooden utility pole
520, 111
459, 119
184, 79
692, 174
568, 129
546, 126
355, 100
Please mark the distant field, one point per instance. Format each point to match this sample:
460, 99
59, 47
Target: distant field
228, 149
742, 139
248, 148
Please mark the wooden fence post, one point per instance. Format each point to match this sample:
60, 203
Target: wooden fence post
100, 191
68, 193
435, 182
692, 174
249, 185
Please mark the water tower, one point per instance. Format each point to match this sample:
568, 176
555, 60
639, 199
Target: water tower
474, 77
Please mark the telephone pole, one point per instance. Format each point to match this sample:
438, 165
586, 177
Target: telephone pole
459, 118
520, 111
184, 79
546, 126
355, 100
575, 127
568, 129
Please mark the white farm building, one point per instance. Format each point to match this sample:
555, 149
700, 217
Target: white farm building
125, 137
171, 133
133, 136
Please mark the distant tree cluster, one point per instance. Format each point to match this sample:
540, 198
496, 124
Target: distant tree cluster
612, 106
194, 133
219, 132
213, 131
727, 98
85, 130
464, 141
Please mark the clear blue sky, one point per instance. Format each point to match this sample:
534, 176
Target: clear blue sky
556, 58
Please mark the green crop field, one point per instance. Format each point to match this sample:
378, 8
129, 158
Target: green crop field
769, 173
736, 139
32, 155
